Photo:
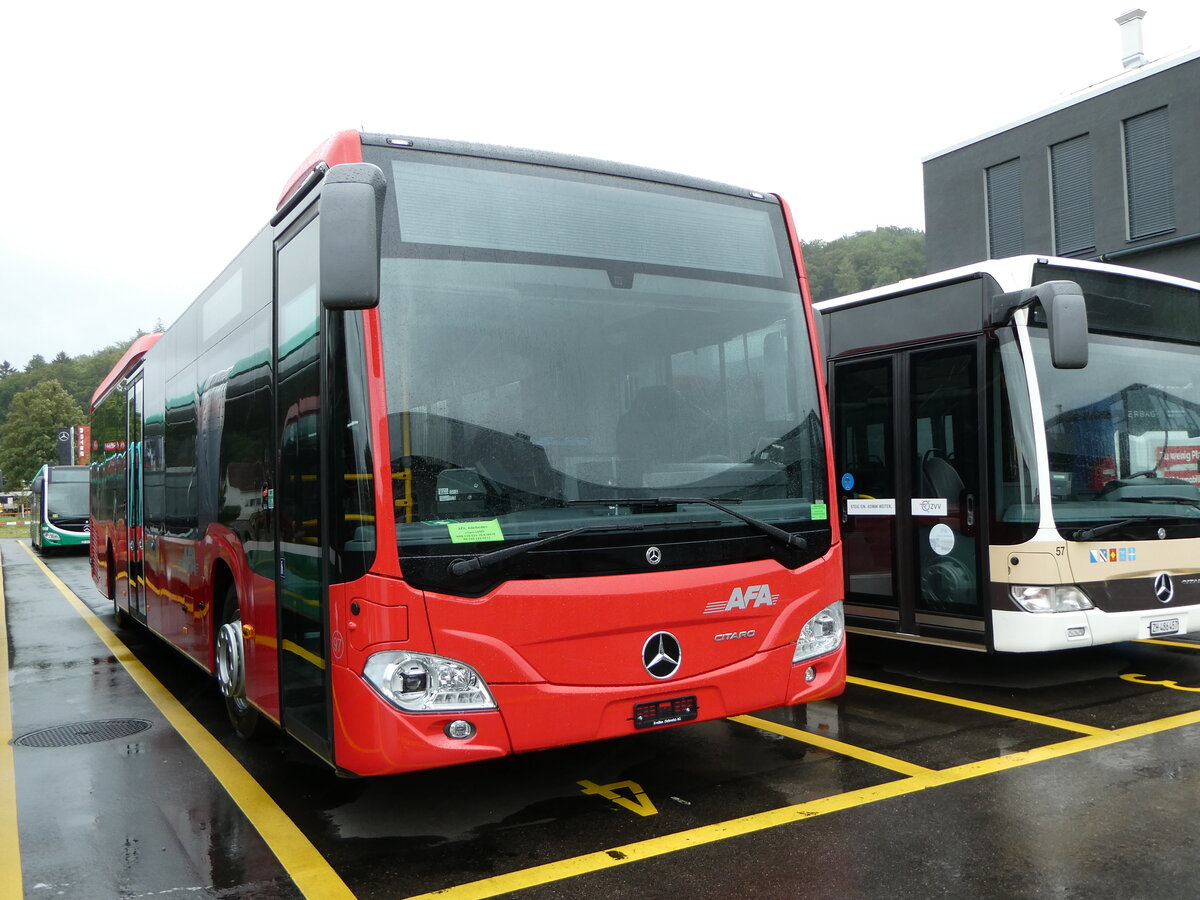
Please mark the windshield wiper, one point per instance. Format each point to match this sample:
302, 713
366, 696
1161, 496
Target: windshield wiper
1165, 498
484, 560
465, 566
1090, 534
784, 537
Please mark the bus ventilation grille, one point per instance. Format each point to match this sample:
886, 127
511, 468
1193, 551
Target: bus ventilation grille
82, 733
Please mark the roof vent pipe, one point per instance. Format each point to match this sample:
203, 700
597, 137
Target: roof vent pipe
1131, 38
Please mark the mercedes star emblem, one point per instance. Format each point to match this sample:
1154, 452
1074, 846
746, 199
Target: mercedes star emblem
662, 654
1164, 590
654, 556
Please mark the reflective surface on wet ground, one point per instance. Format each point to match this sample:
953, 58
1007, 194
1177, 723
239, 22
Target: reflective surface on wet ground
938, 772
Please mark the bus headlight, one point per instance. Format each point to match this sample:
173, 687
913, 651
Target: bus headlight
822, 633
1049, 598
420, 682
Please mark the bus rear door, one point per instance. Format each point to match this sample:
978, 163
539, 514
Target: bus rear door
134, 534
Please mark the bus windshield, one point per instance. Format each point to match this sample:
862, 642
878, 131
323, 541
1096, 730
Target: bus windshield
1123, 433
67, 494
561, 347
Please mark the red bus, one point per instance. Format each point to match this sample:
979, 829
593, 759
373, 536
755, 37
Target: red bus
475, 451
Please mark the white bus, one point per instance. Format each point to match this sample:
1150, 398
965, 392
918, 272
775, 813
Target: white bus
1018, 449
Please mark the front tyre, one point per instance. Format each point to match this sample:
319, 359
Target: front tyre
231, 670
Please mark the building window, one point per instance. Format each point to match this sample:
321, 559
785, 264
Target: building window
1006, 236
1148, 183
1071, 195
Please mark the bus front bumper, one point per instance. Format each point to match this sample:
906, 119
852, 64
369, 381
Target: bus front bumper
374, 738
1023, 632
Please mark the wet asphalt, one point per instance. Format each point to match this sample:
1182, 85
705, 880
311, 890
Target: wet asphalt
938, 774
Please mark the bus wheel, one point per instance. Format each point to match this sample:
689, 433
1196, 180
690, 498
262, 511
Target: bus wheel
123, 619
231, 670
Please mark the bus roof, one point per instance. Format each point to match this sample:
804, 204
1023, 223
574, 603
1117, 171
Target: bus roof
343, 147
135, 352
346, 147
1011, 273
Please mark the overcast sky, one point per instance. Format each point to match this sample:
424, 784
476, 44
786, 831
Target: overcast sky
147, 142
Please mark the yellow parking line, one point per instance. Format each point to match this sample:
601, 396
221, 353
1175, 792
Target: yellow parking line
788, 815
304, 864
10, 835
982, 707
1162, 643
843, 749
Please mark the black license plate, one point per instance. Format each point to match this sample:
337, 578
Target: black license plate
664, 712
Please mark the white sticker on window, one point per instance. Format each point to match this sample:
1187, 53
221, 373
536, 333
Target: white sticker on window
929, 506
941, 539
885, 507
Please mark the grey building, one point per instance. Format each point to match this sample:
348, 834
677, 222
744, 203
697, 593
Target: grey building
1112, 173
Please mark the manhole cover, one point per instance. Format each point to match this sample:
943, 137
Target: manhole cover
82, 733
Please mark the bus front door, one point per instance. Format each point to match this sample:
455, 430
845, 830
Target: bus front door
300, 535
134, 533
907, 438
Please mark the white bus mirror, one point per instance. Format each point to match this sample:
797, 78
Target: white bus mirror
351, 223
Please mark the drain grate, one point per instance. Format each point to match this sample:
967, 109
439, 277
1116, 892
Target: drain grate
82, 733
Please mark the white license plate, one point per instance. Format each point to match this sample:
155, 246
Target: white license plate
1164, 626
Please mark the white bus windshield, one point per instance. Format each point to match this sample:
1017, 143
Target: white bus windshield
1123, 434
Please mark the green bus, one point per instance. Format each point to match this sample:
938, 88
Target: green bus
59, 508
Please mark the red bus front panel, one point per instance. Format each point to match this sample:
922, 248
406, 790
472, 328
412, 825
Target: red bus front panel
570, 667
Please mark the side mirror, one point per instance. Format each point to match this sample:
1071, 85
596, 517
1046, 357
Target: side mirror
1066, 322
351, 223
1066, 319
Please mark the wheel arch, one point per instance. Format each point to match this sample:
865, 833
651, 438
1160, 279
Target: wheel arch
220, 582
110, 570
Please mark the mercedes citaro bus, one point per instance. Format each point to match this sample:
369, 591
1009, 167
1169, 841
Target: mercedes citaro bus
58, 518
1018, 451
476, 450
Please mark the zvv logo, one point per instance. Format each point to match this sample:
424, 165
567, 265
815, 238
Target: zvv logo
758, 594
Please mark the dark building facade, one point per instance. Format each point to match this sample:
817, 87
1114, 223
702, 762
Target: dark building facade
1112, 174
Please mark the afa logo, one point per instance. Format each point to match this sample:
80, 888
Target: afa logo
1114, 554
755, 594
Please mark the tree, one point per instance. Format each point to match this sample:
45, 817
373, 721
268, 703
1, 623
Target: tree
79, 377
6, 369
864, 260
28, 436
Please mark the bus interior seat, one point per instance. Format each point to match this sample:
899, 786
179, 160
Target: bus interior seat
662, 424
940, 477
515, 462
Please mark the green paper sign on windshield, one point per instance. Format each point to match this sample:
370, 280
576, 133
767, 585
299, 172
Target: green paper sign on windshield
474, 532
